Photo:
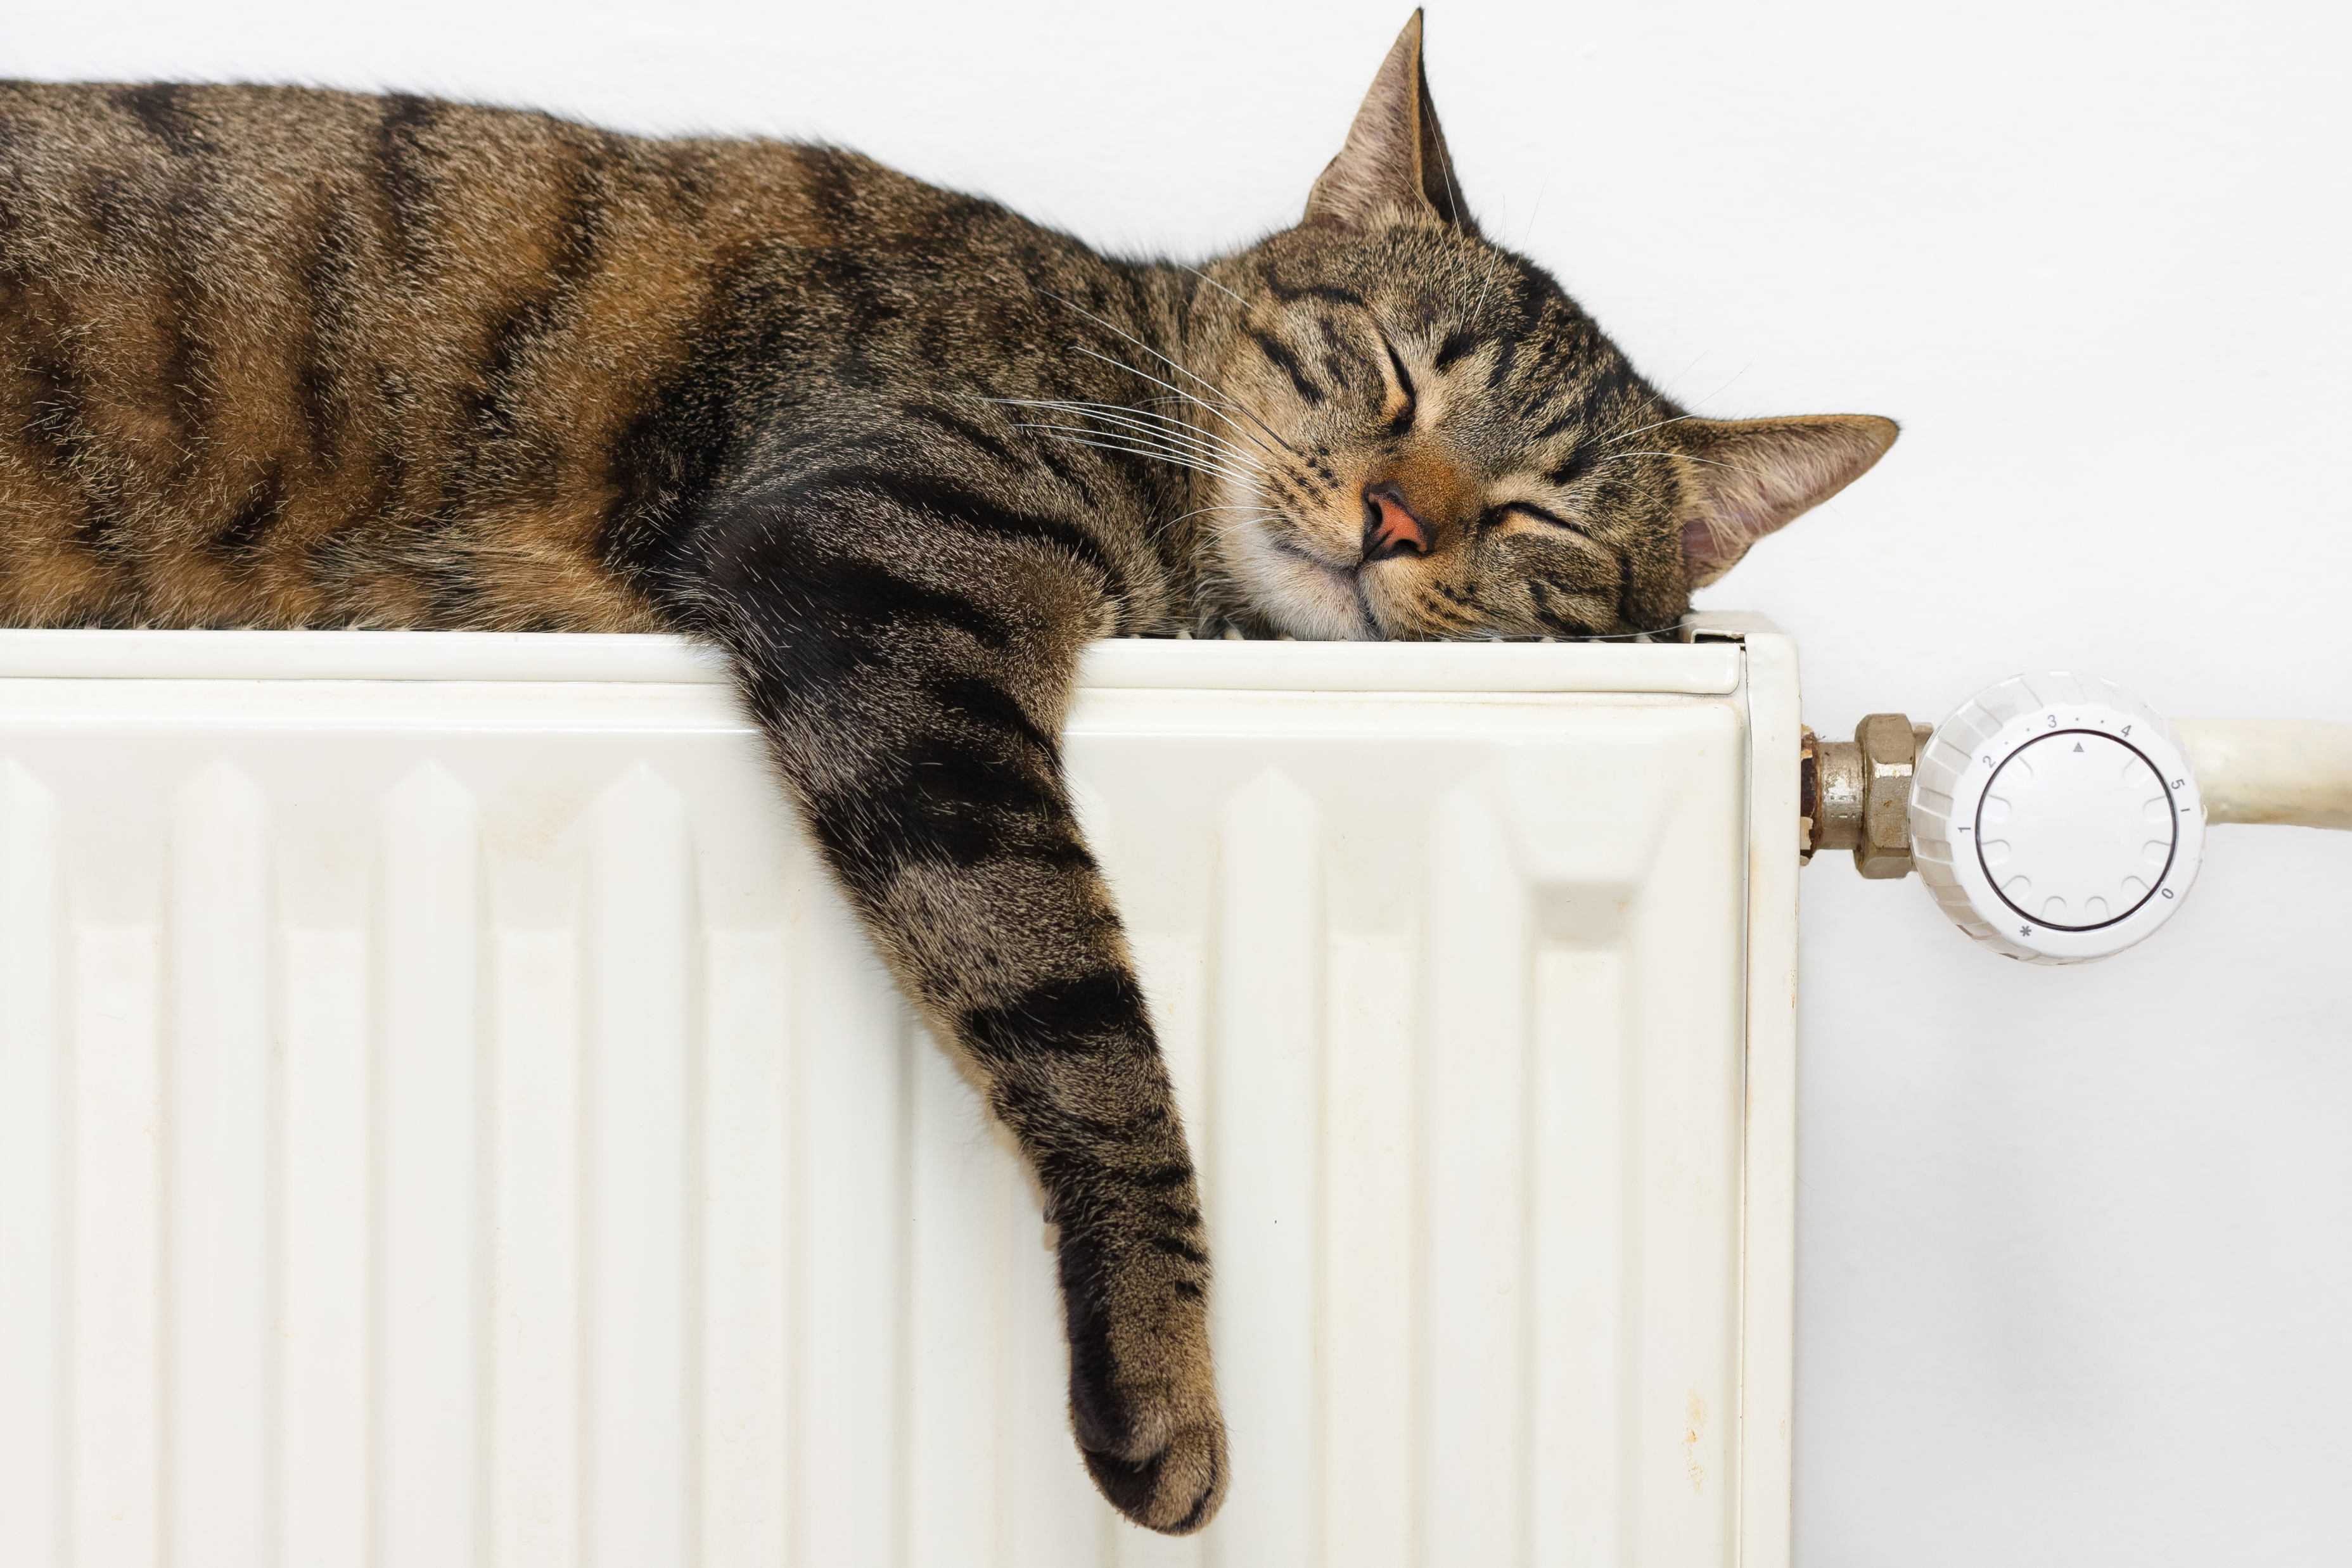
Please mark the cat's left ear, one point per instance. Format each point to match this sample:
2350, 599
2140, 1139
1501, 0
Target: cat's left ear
1746, 478
1396, 156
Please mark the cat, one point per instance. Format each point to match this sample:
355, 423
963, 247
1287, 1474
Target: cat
276, 357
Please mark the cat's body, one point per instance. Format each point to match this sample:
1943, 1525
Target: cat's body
281, 358
291, 358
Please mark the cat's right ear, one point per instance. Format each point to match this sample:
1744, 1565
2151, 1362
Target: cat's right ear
1749, 477
1396, 156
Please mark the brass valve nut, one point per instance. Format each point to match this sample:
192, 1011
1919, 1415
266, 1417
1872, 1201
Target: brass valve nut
1889, 748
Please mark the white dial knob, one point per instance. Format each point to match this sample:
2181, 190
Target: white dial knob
2055, 818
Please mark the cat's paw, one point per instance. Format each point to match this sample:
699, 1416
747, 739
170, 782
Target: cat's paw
1169, 1475
1143, 1385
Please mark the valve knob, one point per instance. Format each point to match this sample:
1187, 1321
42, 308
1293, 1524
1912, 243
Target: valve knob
2055, 818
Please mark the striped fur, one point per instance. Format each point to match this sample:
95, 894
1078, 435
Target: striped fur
281, 357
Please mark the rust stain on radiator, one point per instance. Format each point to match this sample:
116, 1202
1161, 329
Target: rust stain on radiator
1694, 1426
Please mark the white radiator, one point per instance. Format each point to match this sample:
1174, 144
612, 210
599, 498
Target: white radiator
445, 1118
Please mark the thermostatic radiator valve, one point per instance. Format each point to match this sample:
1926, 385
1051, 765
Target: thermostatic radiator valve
2057, 818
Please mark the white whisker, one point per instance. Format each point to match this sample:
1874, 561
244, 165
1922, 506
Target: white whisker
1687, 458
1063, 432
1181, 393
1185, 431
1171, 364
1496, 254
1629, 435
1541, 192
1215, 285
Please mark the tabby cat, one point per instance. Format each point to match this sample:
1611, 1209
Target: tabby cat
272, 357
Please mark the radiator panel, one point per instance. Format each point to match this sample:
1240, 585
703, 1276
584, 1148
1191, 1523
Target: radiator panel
454, 1120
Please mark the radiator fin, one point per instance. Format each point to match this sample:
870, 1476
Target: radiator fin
490, 1141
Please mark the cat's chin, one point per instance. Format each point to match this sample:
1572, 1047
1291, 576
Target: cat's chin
1307, 597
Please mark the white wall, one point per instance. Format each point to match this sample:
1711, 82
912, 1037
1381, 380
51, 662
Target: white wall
2076, 1261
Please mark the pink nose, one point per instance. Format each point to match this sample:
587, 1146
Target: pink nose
1389, 527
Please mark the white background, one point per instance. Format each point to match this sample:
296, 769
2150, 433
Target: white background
2076, 1267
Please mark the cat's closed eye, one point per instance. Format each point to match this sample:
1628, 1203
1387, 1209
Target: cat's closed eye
1402, 397
1528, 509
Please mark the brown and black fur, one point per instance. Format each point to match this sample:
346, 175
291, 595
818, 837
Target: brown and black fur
281, 358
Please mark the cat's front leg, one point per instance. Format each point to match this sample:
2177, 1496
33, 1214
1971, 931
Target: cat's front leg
909, 651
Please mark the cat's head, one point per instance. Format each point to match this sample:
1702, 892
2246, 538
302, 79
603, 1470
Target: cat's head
1420, 435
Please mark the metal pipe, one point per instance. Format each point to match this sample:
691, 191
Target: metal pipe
2295, 771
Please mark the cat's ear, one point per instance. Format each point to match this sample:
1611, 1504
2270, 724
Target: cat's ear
1396, 156
1747, 477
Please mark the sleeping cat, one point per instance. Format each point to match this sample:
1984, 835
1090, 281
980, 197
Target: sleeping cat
281, 357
